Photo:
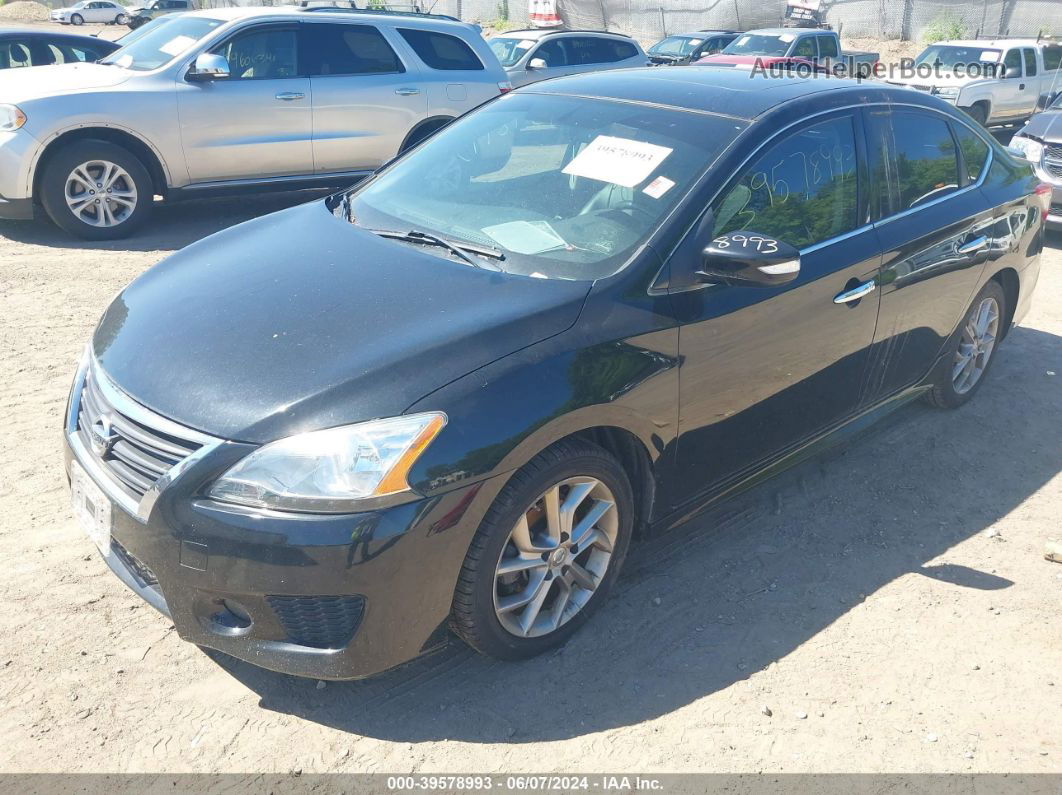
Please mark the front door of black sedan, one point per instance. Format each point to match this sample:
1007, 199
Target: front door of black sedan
763, 368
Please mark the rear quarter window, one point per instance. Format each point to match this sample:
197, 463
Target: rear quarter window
973, 151
442, 51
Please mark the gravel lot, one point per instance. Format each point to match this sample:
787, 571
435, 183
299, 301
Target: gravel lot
888, 601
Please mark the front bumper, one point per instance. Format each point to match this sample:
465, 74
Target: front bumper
17, 152
323, 596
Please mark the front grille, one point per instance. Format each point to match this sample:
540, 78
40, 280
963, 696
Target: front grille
322, 622
1053, 151
1053, 168
134, 454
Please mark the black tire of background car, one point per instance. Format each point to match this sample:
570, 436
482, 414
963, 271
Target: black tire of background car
978, 113
53, 188
943, 394
473, 617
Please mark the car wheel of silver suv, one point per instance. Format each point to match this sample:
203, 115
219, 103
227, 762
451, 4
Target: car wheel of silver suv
96, 190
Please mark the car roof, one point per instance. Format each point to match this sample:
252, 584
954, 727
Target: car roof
233, 13
538, 33
994, 43
700, 34
49, 35
710, 89
783, 31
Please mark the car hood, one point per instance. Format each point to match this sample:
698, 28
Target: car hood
298, 321
942, 80
1047, 126
19, 85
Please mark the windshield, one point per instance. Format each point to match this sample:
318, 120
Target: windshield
163, 44
948, 56
675, 45
758, 44
509, 51
563, 188
144, 30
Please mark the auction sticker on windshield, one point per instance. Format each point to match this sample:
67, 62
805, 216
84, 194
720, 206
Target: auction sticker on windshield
620, 161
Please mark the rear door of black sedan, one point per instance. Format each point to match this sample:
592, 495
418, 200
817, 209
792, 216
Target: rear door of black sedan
764, 367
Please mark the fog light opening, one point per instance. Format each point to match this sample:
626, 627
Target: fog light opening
230, 618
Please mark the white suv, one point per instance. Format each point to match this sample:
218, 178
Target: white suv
231, 99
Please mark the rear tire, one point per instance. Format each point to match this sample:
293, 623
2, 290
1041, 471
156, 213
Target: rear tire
966, 361
421, 134
96, 190
535, 572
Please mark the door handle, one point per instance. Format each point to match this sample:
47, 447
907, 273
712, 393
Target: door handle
288, 96
407, 92
971, 246
857, 292
1021, 86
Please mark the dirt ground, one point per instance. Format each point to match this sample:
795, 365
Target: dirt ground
888, 601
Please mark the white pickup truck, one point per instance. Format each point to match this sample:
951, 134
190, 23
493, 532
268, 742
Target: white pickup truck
996, 81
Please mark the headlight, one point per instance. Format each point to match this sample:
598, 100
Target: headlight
947, 93
1026, 148
11, 118
329, 471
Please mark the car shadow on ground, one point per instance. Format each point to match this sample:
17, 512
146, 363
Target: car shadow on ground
172, 226
740, 587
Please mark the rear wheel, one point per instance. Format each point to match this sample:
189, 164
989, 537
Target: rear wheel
547, 552
96, 190
962, 370
422, 133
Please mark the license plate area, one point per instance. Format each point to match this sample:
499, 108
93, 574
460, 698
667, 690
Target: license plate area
92, 508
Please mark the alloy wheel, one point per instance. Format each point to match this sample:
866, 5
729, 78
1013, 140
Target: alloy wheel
555, 557
100, 193
976, 346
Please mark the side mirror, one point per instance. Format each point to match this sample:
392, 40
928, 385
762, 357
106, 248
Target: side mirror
749, 259
209, 66
536, 63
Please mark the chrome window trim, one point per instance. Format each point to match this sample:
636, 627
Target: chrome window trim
118, 400
829, 241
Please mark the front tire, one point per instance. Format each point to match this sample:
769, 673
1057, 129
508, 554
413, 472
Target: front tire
77, 19
546, 554
965, 364
979, 113
96, 190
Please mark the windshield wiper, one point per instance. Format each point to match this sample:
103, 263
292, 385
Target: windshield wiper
457, 249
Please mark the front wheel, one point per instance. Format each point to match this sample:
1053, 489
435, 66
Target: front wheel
963, 368
546, 554
77, 19
979, 113
96, 190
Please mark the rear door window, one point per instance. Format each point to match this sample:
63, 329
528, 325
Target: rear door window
926, 158
441, 51
336, 49
553, 53
1030, 61
584, 50
14, 54
803, 191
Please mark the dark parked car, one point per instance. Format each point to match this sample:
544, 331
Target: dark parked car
683, 48
26, 47
450, 396
1040, 142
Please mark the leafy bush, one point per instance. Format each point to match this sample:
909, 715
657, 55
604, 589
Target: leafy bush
942, 28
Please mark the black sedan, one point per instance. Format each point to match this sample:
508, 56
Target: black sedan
448, 398
26, 47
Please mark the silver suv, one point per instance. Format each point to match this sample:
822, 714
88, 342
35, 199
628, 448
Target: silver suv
531, 55
230, 99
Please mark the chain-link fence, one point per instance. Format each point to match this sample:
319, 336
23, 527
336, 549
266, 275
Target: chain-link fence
886, 19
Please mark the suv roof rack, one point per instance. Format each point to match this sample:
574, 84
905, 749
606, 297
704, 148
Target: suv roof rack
542, 32
378, 11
